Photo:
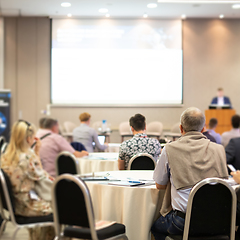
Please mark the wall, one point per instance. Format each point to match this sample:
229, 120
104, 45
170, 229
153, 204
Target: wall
211, 60
1, 52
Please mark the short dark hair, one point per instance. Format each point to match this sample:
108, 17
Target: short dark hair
41, 122
138, 122
213, 123
49, 123
235, 121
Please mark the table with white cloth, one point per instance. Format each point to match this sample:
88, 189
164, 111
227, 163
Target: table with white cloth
97, 162
136, 207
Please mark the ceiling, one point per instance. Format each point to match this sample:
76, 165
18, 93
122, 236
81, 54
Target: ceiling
119, 8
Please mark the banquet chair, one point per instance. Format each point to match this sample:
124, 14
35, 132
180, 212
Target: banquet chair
154, 129
66, 163
2, 141
4, 147
73, 212
211, 212
124, 130
69, 126
7, 204
142, 161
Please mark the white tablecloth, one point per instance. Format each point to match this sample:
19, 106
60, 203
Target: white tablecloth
97, 162
136, 207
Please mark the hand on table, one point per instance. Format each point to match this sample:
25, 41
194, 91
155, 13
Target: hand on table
236, 176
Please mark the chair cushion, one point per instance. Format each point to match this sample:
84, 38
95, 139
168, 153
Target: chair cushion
179, 237
28, 220
113, 230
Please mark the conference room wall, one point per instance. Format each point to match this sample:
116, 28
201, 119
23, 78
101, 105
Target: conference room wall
211, 60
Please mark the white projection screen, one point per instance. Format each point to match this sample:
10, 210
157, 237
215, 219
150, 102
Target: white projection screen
116, 62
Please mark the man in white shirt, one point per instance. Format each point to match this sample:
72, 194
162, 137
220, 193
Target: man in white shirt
233, 133
221, 100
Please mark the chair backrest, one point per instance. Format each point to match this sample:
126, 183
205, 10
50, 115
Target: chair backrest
97, 125
142, 161
4, 147
154, 127
66, 163
211, 209
7, 200
78, 146
69, 126
2, 141
175, 128
124, 128
72, 204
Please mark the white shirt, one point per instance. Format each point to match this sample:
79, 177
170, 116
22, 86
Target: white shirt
220, 101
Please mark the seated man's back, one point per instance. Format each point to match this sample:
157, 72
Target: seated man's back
51, 146
140, 143
184, 163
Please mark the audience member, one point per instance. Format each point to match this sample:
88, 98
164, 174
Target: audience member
208, 135
233, 133
233, 152
23, 166
181, 165
87, 135
212, 126
41, 122
221, 100
53, 144
140, 143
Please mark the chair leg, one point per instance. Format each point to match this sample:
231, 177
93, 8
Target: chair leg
3, 226
15, 233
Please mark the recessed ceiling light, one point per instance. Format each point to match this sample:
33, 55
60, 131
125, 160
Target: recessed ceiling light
236, 6
103, 10
69, 15
145, 15
66, 4
107, 15
221, 16
183, 16
152, 5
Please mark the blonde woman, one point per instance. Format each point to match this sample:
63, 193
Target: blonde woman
23, 166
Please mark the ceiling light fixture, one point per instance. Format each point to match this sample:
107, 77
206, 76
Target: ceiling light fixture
152, 5
183, 16
145, 15
236, 6
107, 15
66, 4
103, 10
69, 15
197, 1
221, 16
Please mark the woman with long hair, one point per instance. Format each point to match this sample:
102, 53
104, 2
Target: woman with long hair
24, 168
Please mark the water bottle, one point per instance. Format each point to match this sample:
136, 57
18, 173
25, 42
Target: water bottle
104, 125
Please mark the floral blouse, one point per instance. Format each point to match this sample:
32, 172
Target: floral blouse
23, 178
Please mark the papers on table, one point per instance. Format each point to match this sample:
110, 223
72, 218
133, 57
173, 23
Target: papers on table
126, 183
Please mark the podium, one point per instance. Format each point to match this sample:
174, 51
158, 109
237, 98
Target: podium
223, 116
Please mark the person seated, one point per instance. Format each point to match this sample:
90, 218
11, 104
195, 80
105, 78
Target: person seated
211, 130
140, 143
234, 132
182, 164
233, 152
23, 166
87, 135
208, 135
221, 100
53, 144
